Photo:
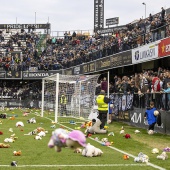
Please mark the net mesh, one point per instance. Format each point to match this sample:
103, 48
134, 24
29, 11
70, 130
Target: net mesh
75, 96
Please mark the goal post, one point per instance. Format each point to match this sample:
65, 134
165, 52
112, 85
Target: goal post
68, 97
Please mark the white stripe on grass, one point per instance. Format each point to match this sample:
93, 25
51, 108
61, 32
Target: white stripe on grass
118, 150
89, 165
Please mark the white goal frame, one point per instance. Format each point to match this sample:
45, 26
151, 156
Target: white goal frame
58, 78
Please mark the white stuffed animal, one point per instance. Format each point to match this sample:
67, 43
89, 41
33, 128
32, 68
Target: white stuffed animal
32, 120
155, 150
41, 134
37, 137
96, 128
18, 124
9, 140
163, 156
141, 158
91, 151
98, 152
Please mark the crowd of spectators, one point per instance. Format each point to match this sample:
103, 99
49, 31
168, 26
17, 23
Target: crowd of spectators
146, 86
74, 49
20, 90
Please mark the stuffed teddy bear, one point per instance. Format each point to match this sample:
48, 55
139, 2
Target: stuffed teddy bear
17, 153
19, 124
167, 149
41, 134
38, 137
10, 140
90, 151
155, 150
3, 115
61, 138
32, 120
163, 156
141, 158
96, 128
3, 145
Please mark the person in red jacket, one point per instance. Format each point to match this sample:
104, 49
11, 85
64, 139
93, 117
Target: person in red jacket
156, 88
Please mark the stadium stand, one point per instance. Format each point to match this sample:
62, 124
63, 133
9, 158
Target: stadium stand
75, 48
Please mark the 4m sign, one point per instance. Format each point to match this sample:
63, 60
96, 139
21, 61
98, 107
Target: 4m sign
136, 117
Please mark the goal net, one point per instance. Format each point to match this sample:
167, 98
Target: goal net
68, 98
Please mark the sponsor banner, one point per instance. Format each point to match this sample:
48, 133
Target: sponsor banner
13, 74
103, 63
15, 103
112, 21
20, 103
88, 67
24, 26
98, 14
101, 14
121, 59
145, 53
2, 74
164, 48
37, 75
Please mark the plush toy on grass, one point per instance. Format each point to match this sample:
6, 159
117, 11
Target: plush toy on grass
4, 145
61, 138
32, 120
17, 153
38, 137
3, 115
19, 124
91, 151
167, 149
141, 158
127, 136
155, 150
96, 128
163, 156
9, 140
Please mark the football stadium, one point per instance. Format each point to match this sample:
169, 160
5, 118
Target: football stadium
89, 99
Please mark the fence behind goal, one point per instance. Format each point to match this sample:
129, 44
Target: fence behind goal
68, 98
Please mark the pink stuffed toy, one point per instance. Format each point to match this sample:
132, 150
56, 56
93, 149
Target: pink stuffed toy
62, 138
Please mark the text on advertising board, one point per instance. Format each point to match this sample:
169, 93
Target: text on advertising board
164, 47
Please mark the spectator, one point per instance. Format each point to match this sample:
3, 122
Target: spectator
149, 115
104, 84
168, 95
162, 13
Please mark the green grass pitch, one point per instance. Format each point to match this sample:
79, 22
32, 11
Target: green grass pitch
36, 154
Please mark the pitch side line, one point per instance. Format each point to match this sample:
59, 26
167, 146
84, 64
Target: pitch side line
92, 165
118, 150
